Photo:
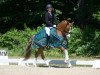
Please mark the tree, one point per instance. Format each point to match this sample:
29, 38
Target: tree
18, 13
86, 9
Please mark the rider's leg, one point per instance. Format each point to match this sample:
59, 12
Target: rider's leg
47, 29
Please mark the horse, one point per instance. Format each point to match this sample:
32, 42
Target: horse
62, 29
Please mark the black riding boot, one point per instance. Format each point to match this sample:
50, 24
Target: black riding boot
48, 38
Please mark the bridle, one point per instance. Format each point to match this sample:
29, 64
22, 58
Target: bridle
66, 27
64, 31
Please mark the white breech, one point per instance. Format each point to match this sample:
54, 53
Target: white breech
47, 29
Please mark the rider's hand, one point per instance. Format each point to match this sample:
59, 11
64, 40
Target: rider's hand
54, 25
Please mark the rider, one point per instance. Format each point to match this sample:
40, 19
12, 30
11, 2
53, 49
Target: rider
50, 20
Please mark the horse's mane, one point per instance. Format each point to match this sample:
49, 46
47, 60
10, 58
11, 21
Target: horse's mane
62, 25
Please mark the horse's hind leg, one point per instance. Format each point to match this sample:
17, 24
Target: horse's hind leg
40, 52
43, 56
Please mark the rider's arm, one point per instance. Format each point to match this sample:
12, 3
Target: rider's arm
47, 20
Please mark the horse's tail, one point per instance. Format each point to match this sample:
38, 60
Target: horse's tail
29, 48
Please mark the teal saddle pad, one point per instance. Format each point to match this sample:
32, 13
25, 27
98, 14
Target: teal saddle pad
55, 40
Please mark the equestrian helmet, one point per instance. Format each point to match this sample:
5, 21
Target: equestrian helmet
48, 6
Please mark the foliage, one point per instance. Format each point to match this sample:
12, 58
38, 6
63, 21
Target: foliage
15, 40
82, 42
16, 13
97, 15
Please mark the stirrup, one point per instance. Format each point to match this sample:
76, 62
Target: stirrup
69, 65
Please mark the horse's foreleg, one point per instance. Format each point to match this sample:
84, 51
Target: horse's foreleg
66, 56
66, 53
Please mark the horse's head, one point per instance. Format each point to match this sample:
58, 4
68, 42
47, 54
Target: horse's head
65, 26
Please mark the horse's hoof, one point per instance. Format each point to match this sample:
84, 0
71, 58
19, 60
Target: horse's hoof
46, 62
69, 65
66, 61
21, 63
34, 63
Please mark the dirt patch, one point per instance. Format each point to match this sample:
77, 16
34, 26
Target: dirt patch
21, 70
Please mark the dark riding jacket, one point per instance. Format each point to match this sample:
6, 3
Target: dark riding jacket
50, 19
